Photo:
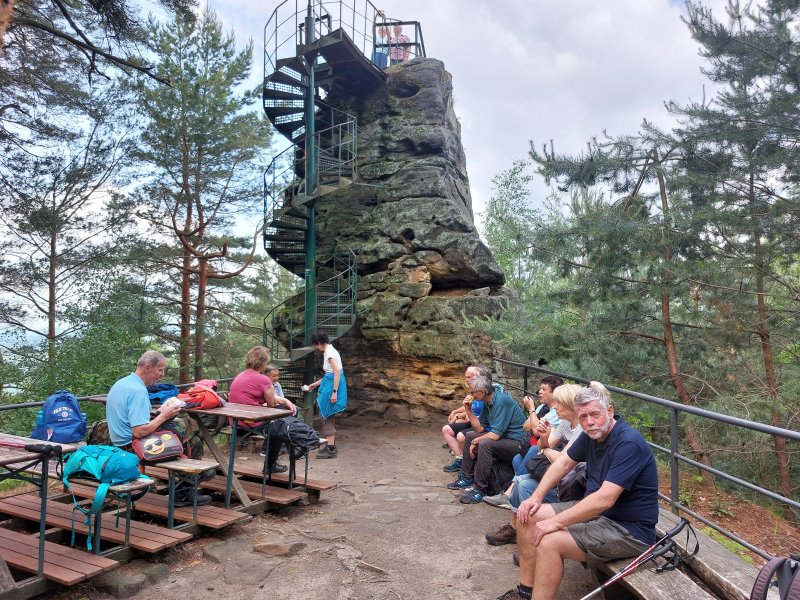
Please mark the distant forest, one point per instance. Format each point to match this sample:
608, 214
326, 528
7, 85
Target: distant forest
666, 261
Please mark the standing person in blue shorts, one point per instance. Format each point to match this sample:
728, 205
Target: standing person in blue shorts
332, 394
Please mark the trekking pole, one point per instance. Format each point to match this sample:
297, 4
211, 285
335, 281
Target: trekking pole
46, 449
658, 549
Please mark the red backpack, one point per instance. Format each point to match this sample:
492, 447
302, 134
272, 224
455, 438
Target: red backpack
201, 395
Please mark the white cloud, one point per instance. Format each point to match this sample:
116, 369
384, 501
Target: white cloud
539, 69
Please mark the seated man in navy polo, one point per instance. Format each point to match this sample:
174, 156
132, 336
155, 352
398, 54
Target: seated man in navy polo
497, 436
616, 518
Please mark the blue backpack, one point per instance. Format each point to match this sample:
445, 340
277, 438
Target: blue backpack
106, 464
161, 392
60, 420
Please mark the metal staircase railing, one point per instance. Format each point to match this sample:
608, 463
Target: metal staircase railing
284, 326
284, 29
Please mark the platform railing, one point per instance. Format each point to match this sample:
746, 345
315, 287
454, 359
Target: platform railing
672, 453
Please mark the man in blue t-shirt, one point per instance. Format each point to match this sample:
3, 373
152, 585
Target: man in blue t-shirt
496, 436
616, 518
128, 414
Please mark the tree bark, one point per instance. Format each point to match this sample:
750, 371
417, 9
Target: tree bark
200, 319
673, 363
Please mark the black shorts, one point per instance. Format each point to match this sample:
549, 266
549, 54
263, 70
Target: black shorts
459, 427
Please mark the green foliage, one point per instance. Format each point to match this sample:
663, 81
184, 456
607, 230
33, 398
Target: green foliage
729, 544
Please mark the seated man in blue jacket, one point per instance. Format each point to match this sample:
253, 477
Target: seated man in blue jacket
497, 436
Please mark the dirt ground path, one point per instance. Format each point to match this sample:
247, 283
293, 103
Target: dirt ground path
390, 531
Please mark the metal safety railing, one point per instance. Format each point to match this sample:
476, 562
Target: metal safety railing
284, 325
358, 19
672, 453
392, 46
335, 158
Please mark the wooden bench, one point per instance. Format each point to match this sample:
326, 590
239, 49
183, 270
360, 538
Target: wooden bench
208, 516
63, 565
143, 536
720, 569
272, 494
646, 584
182, 469
313, 486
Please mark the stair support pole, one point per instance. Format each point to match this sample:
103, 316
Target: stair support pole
311, 225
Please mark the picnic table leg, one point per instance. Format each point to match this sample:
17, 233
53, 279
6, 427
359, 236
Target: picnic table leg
231, 462
128, 509
220, 458
195, 481
292, 466
97, 525
171, 501
264, 474
42, 514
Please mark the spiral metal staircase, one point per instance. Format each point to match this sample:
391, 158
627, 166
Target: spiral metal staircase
310, 52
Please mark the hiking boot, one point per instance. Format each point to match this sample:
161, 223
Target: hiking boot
459, 483
453, 467
499, 500
472, 497
505, 535
183, 501
327, 452
277, 468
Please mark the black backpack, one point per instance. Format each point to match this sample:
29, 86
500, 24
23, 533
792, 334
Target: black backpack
787, 572
294, 431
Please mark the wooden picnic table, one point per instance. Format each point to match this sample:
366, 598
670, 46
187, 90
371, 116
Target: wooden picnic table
235, 412
15, 462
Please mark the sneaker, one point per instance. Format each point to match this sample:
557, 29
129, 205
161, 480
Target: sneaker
454, 466
327, 452
459, 483
277, 468
472, 497
505, 535
499, 500
202, 500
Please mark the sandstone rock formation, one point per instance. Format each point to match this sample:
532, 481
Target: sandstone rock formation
424, 271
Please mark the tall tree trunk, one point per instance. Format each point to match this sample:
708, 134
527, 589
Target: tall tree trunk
673, 363
186, 317
781, 454
51, 298
200, 319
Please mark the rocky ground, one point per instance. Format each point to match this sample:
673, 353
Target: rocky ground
390, 531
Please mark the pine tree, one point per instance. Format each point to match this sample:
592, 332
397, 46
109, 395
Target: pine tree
203, 146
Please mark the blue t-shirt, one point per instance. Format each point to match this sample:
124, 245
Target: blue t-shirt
503, 417
626, 460
128, 406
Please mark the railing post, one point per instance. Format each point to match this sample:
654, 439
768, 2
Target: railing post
524, 381
674, 487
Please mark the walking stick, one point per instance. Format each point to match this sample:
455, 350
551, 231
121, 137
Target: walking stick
661, 547
46, 449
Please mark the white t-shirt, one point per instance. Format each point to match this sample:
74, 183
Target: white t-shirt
331, 352
566, 433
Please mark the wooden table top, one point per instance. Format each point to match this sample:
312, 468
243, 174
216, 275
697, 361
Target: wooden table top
244, 411
9, 455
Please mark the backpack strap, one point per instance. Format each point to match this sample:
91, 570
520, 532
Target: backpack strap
768, 571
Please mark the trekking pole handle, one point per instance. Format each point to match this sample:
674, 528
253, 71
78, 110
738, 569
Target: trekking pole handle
677, 529
46, 449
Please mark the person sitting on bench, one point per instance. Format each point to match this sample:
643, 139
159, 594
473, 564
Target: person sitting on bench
616, 518
253, 387
128, 414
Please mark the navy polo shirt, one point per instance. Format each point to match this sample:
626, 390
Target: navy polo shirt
625, 459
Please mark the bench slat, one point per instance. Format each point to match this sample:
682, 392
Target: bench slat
143, 536
274, 495
155, 504
255, 471
63, 565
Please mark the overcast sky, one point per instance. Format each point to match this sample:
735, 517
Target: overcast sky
538, 69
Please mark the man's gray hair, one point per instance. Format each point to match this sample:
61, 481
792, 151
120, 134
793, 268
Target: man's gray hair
482, 384
151, 358
596, 392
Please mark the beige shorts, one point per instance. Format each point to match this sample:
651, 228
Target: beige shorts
601, 538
